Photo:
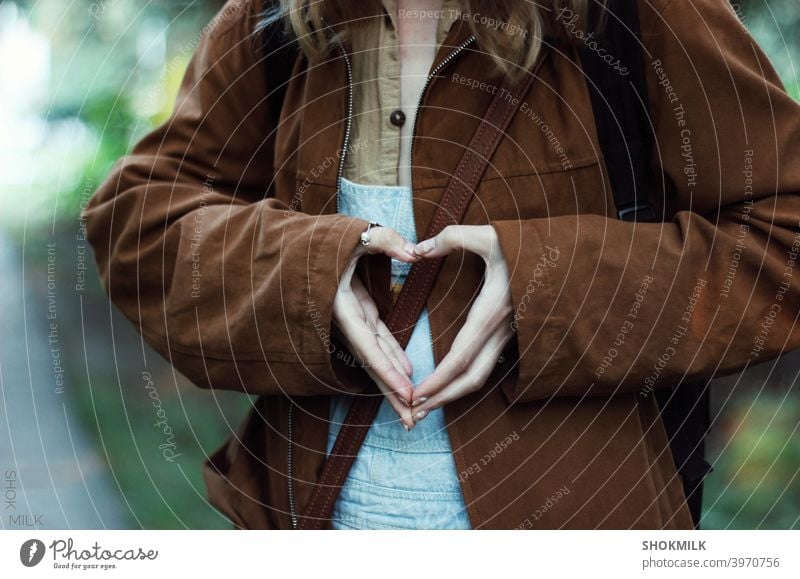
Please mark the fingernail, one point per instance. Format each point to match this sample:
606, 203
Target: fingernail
418, 401
405, 426
421, 414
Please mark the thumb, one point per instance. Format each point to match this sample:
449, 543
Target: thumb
388, 241
446, 242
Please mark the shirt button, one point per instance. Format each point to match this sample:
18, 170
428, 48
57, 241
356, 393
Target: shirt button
397, 118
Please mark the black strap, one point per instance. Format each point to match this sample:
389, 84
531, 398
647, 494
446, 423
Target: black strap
619, 99
618, 92
280, 52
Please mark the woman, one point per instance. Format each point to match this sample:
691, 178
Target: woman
523, 399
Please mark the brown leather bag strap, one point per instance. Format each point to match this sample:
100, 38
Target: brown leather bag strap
414, 294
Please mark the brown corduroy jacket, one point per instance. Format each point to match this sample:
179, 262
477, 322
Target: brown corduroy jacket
235, 287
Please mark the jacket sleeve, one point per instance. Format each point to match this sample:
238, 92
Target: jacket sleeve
230, 285
604, 306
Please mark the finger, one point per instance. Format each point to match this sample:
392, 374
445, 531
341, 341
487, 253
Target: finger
352, 319
455, 363
491, 309
388, 337
471, 380
482, 321
391, 354
381, 365
388, 241
403, 411
368, 349
473, 238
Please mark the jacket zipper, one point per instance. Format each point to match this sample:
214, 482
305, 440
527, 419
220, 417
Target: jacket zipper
349, 126
340, 173
346, 143
458, 50
289, 473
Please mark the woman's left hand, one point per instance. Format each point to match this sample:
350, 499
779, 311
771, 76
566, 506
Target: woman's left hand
488, 327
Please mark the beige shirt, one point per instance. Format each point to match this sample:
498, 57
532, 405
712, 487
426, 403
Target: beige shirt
388, 77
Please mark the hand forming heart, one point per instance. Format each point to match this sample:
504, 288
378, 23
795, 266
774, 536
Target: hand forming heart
475, 349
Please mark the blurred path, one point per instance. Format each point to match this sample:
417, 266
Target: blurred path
52, 475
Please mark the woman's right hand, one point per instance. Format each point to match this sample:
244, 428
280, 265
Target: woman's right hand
365, 334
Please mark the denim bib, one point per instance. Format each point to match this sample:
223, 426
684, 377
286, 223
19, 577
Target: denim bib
400, 480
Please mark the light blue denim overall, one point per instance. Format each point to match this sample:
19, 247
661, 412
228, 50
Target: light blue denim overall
400, 480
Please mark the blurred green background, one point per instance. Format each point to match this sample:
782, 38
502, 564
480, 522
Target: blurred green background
80, 82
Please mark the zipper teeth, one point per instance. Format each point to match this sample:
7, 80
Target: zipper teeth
289, 473
349, 124
458, 50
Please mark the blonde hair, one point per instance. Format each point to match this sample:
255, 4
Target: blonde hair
512, 32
